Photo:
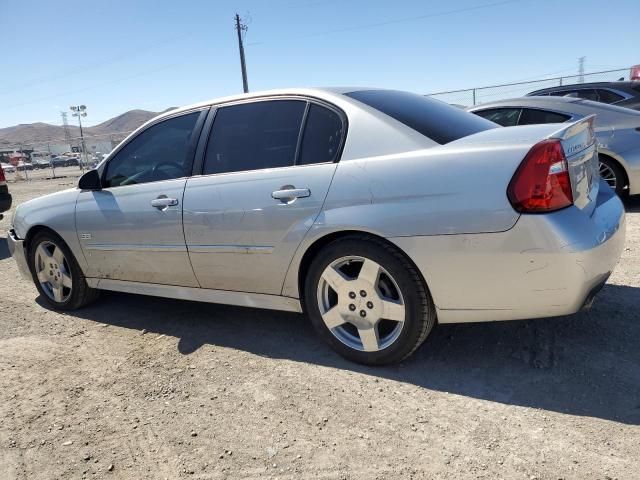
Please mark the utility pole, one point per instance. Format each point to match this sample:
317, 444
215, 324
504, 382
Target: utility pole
80, 111
24, 164
53, 168
240, 27
581, 69
65, 124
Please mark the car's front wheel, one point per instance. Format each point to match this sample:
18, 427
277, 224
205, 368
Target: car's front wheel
56, 273
367, 301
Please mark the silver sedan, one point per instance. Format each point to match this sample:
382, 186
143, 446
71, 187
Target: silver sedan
379, 213
617, 131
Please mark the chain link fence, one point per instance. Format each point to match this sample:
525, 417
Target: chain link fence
474, 96
55, 157
51, 148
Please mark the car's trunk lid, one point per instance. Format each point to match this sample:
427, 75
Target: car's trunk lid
578, 142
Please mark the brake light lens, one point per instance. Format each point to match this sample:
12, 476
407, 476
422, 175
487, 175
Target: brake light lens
2, 177
542, 182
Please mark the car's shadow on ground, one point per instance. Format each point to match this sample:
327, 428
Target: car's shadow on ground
4, 248
588, 364
632, 204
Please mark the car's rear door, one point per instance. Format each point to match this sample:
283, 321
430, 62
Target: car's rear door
267, 170
132, 228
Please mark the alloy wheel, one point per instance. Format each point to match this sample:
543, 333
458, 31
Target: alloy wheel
361, 304
608, 175
53, 272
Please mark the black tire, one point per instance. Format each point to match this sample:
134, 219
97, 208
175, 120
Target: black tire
81, 294
618, 172
420, 316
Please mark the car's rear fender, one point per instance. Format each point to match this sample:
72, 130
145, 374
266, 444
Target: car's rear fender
454, 189
547, 265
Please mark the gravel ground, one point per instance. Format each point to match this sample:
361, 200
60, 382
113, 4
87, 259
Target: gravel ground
140, 387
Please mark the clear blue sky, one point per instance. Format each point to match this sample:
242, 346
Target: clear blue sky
115, 55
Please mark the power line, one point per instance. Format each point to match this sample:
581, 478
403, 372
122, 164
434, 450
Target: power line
131, 53
97, 85
402, 20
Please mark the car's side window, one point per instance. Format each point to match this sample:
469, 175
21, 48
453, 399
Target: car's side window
160, 152
507, 117
322, 136
562, 93
587, 94
532, 116
252, 136
607, 96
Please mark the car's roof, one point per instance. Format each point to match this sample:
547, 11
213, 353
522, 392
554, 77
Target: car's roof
320, 92
576, 107
556, 102
619, 85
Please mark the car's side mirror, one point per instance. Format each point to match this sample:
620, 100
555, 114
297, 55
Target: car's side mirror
90, 181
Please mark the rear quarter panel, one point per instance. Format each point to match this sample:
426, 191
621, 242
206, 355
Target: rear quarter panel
439, 191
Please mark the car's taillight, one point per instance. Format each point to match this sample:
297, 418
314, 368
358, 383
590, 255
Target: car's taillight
2, 177
542, 182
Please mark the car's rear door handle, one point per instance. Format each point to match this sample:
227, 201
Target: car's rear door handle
290, 194
163, 202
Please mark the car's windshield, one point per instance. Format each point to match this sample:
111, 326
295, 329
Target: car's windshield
434, 119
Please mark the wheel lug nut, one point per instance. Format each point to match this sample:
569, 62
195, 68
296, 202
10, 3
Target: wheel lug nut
363, 313
352, 307
352, 294
369, 305
363, 293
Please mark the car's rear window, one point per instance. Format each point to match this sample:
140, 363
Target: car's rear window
434, 119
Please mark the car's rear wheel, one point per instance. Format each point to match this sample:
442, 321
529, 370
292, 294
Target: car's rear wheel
367, 301
613, 174
56, 273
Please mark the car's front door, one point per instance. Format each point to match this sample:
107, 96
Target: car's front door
131, 229
267, 170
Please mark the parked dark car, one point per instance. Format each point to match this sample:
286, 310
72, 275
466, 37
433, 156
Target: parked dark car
623, 94
5, 196
61, 161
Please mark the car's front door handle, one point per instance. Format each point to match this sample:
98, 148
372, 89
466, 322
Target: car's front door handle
289, 194
163, 202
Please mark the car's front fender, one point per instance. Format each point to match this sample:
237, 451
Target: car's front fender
55, 212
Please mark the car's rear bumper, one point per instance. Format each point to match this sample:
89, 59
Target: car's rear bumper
546, 265
18, 252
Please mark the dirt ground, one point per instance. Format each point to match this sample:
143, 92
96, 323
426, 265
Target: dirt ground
145, 388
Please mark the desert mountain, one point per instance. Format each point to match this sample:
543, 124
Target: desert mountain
39, 132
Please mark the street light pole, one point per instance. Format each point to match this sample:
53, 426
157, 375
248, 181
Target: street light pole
80, 111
